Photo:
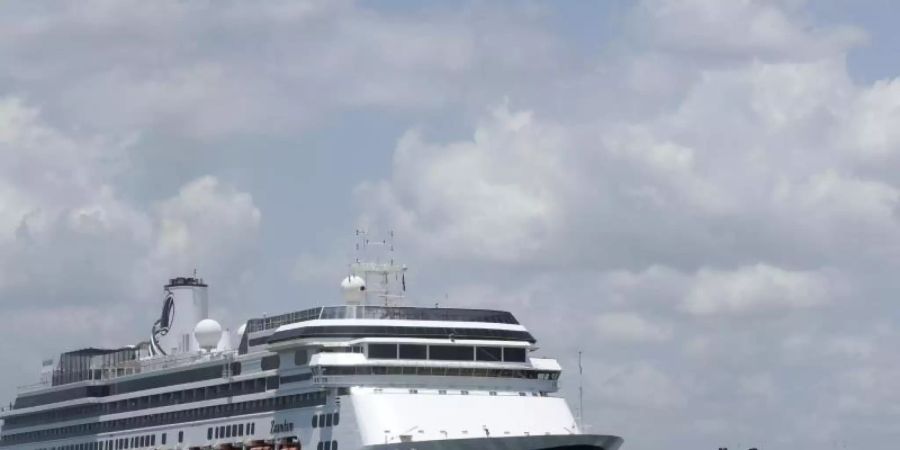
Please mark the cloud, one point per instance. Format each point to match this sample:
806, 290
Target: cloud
625, 326
493, 196
754, 289
272, 68
207, 222
869, 134
640, 385
738, 29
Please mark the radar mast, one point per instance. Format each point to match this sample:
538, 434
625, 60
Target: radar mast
375, 277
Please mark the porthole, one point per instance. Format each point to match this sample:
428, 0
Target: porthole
315, 421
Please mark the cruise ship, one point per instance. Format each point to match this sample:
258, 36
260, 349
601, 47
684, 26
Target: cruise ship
368, 373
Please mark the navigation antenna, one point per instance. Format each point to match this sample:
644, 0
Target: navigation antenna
580, 394
383, 279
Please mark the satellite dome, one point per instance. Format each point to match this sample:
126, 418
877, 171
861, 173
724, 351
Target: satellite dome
354, 289
208, 332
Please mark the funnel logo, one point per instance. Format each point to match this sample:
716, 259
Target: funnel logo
162, 326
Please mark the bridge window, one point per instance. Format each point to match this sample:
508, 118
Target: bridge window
412, 351
489, 354
512, 354
450, 353
383, 351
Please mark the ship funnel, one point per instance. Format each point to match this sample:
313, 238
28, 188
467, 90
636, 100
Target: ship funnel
184, 305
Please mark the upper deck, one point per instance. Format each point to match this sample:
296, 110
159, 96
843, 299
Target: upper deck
384, 313
357, 321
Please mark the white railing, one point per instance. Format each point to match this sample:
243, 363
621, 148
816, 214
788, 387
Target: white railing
186, 359
146, 365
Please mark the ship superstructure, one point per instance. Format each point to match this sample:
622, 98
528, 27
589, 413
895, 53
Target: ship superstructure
366, 374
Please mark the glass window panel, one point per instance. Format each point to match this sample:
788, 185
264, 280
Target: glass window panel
413, 351
383, 351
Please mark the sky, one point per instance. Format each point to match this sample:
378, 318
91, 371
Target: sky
700, 195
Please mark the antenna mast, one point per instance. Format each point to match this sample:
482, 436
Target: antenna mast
381, 273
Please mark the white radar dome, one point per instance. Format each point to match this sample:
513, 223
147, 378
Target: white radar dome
208, 332
354, 289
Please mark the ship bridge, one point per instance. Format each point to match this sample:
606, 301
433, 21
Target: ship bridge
361, 321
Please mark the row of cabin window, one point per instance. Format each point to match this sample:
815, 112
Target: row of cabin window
251, 386
327, 445
228, 431
326, 420
148, 440
170, 418
124, 387
446, 352
437, 371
